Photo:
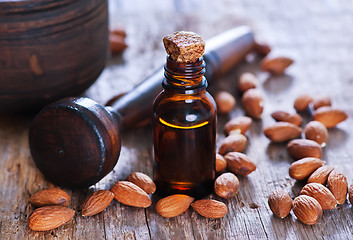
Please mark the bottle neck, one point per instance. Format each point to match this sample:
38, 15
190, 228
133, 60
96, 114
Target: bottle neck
185, 76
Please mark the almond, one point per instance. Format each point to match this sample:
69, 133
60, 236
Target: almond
307, 209
226, 185
350, 192
51, 196
329, 116
276, 65
117, 43
321, 194
253, 103
320, 175
247, 81
282, 131
317, 132
302, 102
302, 168
321, 101
173, 205
130, 194
282, 116
210, 208
262, 48
338, 185
221, 163
225, 102
280, 203
49, 217
239, 163
143, 181
239, 124
118, 31
97, 202
235, 142
301, 148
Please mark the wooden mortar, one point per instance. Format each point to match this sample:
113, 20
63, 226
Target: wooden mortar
49, 49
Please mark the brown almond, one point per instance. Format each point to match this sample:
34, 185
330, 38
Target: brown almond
49, 217
239, 124
239, 163
350, 193
282, 131
117, 43
320, 175
226, 185
173, 205
97, 202
221, 163
210, 208
280, 203
307, 209
302, 102
118, 31
253, 103
302, 168
235, 142
301, 148
317, 132
338, 185
51, 196
276, 65
262, 49
329, 116
321, 193
130, 194
247, 81
321, 101
143, 181
225, 102
282, 116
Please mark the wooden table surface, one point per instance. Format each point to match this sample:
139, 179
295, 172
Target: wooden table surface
318, 35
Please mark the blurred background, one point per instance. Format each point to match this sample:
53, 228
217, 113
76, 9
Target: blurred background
316, 34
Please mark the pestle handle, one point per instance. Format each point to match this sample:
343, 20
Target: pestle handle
226, 50
222, 53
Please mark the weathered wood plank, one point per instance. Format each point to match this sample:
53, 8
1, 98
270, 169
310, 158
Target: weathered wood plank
317, 34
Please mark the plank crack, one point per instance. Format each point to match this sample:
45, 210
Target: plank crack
104, 230
148, 226
246, 228
192, 227
262, 224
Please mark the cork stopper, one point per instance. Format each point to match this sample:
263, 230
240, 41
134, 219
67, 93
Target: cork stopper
183, 46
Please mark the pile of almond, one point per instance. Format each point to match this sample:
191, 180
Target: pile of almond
326, 187
288, 125
52, 210
252, 99
53, 202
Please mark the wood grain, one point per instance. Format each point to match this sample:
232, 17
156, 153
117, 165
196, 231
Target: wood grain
58, 49
317, 35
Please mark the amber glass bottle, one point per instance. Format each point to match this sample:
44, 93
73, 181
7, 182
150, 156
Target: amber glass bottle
184, 132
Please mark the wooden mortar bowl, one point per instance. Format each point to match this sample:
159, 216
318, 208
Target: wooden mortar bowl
49, 49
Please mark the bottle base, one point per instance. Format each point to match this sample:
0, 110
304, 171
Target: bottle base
196, 191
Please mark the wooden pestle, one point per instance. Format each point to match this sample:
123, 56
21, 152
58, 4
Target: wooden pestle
75, 142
